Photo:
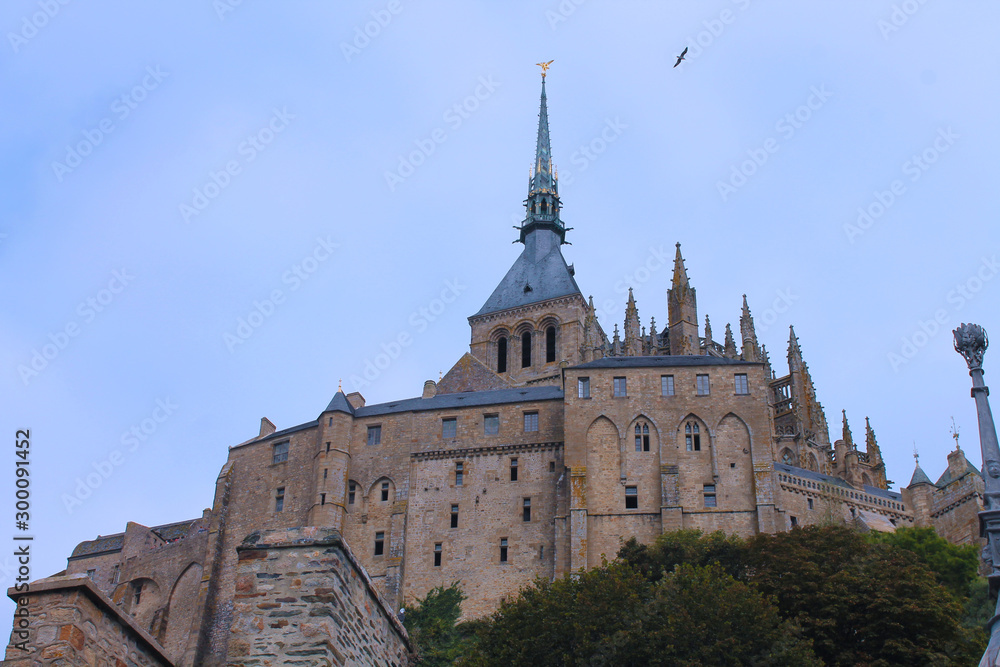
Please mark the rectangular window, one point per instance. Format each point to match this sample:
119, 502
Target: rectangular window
702, 385
385, 491
351, 488
795, 521
541, 552
583, 388
280, 452
503, 550
437, 554
375, 434
810, 502
279, 499
513, 469
115, 574
137, 591
379, 543
709, 490
552, 466
491, 424
91, 573
454, 516
328, 448
620, 387
631, 498
530, 422
459, 473
667, 385
449, 427
526, 511
324, 473
322, 499
740, 383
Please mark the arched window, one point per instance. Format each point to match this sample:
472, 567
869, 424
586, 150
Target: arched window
526, 349
787, 458
502, 355
692, 437
545, 206
550, 344
642, 437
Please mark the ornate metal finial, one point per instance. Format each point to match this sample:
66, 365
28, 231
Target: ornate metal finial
971, 342
545, 67
916, 454
340, 385
954, 434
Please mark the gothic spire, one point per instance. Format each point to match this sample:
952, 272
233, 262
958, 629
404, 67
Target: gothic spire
680, 280
730, 346
633, 340
794, 352
751, 350
708, 332
848, 438
542, 204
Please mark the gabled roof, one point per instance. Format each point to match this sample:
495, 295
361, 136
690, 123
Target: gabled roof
946, 478
547, 278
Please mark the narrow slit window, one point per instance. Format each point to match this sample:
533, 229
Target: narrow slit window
385, 491
513, 469
526, 510
526, 349
459, 473
379, 543
351, 490
279, 499
503, 550
437, 554
454, 516
502, 355
550, 345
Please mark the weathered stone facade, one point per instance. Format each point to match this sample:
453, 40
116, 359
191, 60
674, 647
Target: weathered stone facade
302, 598
546, 446
70, 622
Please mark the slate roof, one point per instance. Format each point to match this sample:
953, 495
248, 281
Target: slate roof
109, 543
339, 403
882, 493
945, 479
815, 476
663, 360
463, 400
549, 278
919, 477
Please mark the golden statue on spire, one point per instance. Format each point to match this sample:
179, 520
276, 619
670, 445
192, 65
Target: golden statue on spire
545, 67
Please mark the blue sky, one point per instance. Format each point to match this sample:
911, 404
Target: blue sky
335, 177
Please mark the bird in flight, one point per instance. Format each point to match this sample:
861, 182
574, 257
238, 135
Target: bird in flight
681, 56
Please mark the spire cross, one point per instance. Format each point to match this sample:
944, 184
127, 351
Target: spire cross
545, 67
916, 454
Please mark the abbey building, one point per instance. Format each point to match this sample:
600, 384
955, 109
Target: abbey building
550, 441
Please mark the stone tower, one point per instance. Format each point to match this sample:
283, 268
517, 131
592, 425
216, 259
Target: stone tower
682, 310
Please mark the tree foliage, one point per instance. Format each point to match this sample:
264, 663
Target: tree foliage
955, 566
613, 615
432, 624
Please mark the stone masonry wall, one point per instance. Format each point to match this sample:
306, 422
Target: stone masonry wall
302, 598
71, 622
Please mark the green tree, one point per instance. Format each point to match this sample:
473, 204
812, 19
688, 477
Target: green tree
861, 603
691, 547
432, 624
613, 615
955, 566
